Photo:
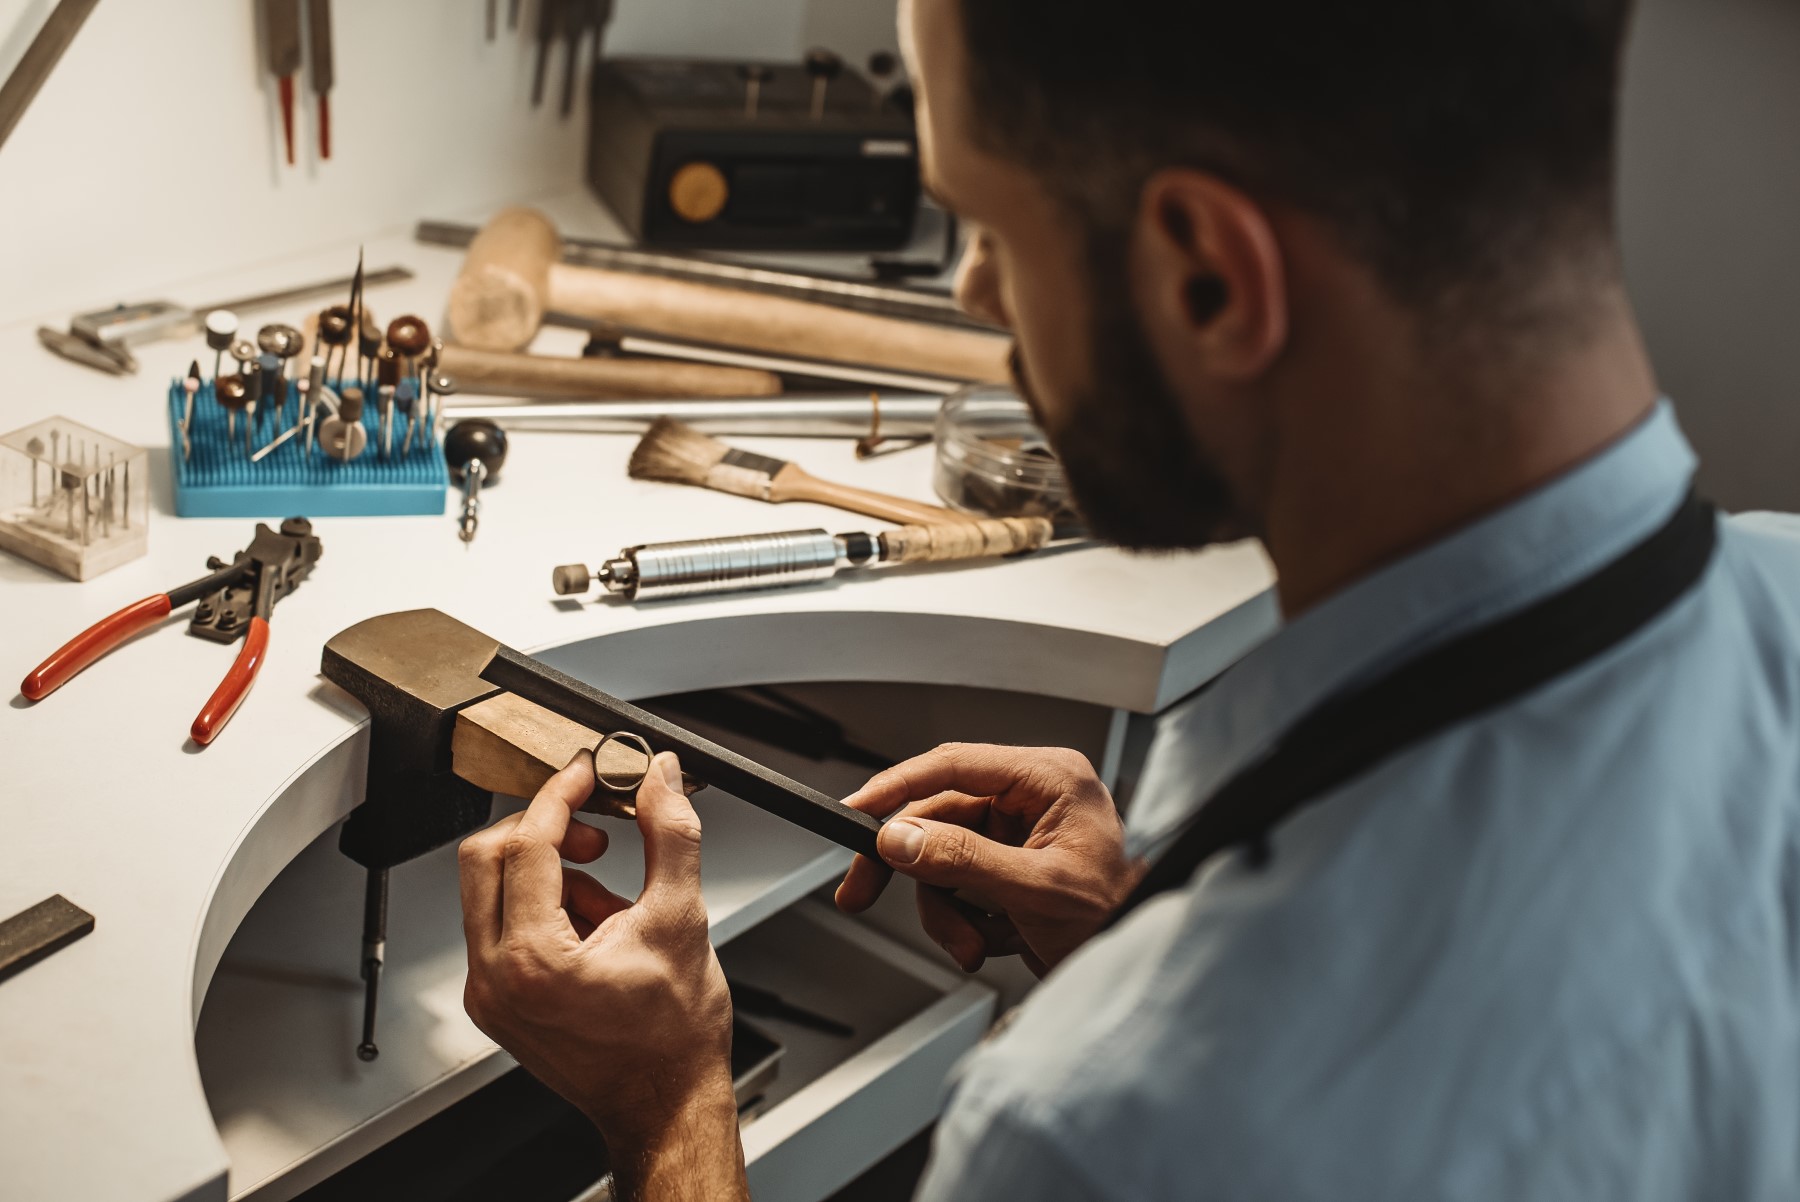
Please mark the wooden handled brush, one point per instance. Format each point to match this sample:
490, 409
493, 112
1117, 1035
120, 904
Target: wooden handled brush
680, 454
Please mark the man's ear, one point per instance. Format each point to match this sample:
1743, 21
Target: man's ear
1208, 278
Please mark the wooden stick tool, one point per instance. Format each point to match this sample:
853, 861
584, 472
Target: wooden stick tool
502, 373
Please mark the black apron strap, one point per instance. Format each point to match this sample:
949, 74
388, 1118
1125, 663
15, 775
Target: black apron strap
1349, 734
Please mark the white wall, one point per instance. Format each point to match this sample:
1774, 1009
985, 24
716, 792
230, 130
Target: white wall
154, 152
152, 156
1711, 221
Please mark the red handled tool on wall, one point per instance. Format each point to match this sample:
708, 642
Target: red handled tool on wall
235, 602
281, 28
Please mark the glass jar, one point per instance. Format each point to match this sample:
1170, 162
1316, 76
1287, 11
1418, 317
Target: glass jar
992, 460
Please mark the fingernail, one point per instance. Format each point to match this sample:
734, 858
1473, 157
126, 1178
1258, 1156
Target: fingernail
671, 770
902, 842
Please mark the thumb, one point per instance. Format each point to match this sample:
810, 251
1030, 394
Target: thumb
671, 831
954, 857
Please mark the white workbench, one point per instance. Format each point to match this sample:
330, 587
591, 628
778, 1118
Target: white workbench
169, 846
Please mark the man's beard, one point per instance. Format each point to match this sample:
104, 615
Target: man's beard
1134, 472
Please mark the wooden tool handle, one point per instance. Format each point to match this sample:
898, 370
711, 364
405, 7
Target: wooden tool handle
503, 374
988, 538
778, 325
794, 483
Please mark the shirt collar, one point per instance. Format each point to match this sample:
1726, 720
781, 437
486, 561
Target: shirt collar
1530, 548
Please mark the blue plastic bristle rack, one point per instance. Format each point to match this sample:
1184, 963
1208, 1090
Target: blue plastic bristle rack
219, 481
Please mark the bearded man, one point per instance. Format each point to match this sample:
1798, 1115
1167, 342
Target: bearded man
1479, 878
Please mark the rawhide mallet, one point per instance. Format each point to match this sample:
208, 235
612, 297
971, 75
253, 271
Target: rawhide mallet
513, 275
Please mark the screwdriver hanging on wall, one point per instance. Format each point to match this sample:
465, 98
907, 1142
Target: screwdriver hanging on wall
574, 30
318, 35
571, 21
549, 20
585, 17
281, 20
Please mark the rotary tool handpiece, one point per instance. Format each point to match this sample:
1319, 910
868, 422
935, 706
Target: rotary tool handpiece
706, 566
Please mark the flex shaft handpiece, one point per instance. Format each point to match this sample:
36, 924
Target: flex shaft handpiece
762, 561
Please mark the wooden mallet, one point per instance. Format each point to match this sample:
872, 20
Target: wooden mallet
513, 276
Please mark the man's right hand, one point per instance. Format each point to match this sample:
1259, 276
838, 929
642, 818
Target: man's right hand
1028, 831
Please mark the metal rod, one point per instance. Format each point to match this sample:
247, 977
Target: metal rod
287, 296
374, 952
41, 57
909, 415
286, 434
917, 304
743, 778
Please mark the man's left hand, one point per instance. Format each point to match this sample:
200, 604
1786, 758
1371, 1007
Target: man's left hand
619, 1006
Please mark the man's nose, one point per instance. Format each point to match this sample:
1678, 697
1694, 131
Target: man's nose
978, 282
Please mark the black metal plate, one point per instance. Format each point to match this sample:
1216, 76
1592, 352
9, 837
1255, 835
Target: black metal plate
40, 931
761, 786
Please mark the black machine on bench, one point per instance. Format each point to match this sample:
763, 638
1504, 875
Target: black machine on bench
720, 155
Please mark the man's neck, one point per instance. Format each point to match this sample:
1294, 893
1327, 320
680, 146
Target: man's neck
1412, 454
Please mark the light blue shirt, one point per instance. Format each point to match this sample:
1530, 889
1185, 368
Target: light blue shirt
1551, 953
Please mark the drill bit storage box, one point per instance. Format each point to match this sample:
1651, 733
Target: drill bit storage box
73, 499
216, 476
694, 154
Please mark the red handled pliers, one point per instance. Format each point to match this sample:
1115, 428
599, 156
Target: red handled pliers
236, 600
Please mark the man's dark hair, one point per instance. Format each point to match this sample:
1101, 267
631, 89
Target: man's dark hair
1458, 147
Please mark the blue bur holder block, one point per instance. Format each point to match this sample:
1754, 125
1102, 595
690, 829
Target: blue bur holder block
219, 481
